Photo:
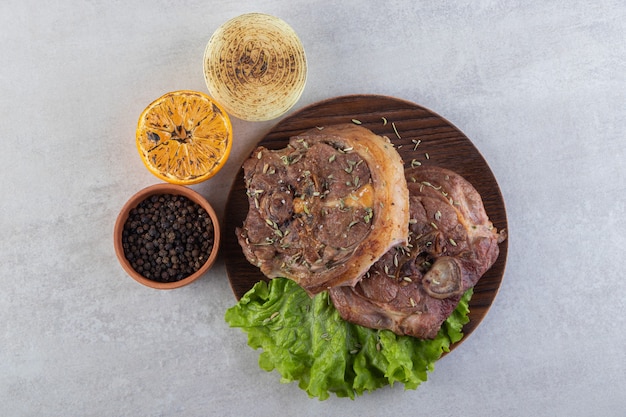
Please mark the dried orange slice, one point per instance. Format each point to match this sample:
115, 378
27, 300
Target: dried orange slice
184, 137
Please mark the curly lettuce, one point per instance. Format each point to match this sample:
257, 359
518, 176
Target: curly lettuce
307, 341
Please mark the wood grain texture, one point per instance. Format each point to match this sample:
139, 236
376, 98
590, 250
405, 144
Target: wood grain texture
440, 143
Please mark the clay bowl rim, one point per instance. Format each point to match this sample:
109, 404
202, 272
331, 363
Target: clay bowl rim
156, 189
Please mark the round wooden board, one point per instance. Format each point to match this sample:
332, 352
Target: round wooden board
405, 123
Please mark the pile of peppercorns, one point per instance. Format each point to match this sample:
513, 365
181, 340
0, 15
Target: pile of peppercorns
167, 237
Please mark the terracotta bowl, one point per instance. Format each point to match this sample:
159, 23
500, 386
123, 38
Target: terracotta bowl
135, 200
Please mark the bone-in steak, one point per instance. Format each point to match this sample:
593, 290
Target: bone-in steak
413, 288
325, 208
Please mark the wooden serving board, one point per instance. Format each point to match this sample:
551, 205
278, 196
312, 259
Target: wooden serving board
406, 124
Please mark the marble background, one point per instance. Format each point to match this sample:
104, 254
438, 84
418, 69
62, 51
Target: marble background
538, 86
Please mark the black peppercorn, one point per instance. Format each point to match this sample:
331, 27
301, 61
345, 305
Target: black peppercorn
167, 237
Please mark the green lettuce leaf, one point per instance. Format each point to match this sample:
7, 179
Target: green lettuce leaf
306, 340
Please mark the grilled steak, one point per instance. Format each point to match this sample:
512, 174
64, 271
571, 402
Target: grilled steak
413, 288
323, 209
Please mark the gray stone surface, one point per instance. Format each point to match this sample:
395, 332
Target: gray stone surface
539, 87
